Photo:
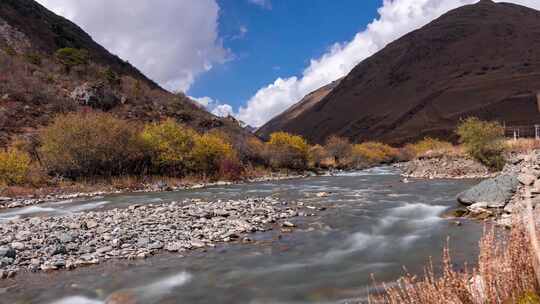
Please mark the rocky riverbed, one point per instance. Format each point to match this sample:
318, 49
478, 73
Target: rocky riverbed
446, 166
67, 242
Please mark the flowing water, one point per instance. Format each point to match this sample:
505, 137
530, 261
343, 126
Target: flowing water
374, 224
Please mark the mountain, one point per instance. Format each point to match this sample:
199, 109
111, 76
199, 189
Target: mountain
307, 103
49, 65
478, 60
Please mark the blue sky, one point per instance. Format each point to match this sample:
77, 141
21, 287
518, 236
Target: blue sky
279, 41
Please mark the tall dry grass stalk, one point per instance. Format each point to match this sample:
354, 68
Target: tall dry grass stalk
506, 273
531, 227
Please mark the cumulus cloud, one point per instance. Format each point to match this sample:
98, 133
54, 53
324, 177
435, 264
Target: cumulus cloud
214, 106
396, 18
171, 41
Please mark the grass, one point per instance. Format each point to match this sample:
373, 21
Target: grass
119, 183
522, 145
507, 273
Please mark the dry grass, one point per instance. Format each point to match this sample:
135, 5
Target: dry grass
522, 145
506, 274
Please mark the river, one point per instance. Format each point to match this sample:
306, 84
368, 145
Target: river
373, 224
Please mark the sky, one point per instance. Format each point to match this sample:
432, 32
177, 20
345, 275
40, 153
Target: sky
252, 59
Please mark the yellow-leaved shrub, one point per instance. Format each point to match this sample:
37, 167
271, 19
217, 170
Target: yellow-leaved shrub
371, 153
288, 151
210, 151
170, 145
484, 141
428, 145
90, 144
14, 167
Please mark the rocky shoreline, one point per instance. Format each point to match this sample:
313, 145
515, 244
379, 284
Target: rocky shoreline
68, 242
502, 197
18, 202
445, 167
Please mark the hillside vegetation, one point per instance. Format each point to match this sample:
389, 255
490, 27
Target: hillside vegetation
50, 66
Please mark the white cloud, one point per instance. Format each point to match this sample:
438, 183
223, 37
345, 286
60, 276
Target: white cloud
266, 4
171, 41
396, 18
223, 110
214, 106
203, 101
242, 31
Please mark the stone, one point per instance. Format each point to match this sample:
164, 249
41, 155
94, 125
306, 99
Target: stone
536, 187
156, 245
322, 194
197, 244
494, 192
143, 242
64, 237
174, 247
18, 246
7, 252
95, 95
23, 236
91, 224
526, 179
288, 224
58, 249
59, 263
103, 250
116, 243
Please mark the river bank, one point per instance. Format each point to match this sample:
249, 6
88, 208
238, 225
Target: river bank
445, 167
498, 197
60, 193
505, 196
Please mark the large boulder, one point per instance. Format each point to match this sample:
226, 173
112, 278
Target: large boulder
493, 193
96, 95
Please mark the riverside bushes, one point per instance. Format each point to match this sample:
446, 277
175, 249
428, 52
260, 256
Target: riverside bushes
91, 144
95, 144
483, 141
212, 151
288, 151
169, 145
371, 153
426, 145
339, 148
14, 167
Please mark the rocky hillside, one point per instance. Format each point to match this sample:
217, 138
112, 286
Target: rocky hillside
478, 60
50, 65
